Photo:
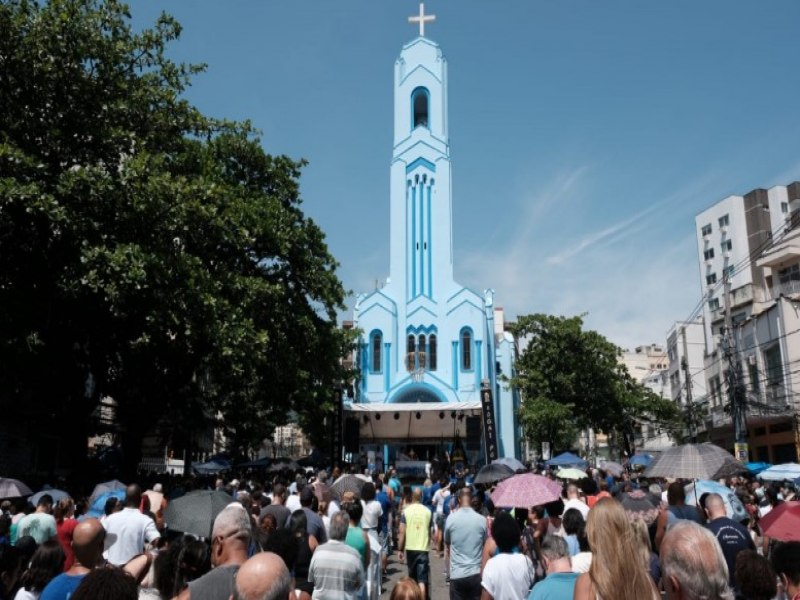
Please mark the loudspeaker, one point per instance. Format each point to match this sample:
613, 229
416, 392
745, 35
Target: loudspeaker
473, 433
351, 435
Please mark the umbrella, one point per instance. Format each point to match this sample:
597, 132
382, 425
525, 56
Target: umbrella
322, 491
784, 472
690, 461
526, 490
97, 509
756, 467
348, 483
283, 463
733, 506
493, 473
571, 474
510, 462
55, 494
195, 512
609, 466
782, 522
107, 486
13, 488
638, 506
212, 467
732, 468
567, 459
640, 460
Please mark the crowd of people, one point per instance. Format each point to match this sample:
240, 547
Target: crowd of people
292, 535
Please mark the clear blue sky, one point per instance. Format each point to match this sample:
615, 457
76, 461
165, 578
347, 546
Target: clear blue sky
585, 135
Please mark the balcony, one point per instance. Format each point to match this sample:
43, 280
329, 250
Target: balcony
790, 288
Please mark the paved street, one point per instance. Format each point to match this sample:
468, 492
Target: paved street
396, 571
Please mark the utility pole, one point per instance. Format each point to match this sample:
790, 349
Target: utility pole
688, 383
736, 391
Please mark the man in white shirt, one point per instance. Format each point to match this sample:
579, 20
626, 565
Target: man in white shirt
128, 530
574, 501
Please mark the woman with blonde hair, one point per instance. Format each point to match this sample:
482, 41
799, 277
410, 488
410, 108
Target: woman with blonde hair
406, 589
618, 571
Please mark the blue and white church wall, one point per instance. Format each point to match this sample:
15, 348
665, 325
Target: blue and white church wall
425, 337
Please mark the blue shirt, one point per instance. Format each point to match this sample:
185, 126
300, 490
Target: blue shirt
556, 586
465, 532
386, 505
61, 587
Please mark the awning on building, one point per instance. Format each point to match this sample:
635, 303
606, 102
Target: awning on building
412, 422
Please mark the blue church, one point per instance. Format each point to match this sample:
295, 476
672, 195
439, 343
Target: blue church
432, 352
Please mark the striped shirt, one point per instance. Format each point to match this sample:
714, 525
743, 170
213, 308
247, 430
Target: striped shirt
336, 571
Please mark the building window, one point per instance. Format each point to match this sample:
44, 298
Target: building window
714, 390
713, 304
772, 362
711, 279
708, 254
789, 274
706, 230
420, 100
727, 246
411, 351
466, 350
784, 207
432, 352
724, 221
376, 344
755, 384
728, 271
421, 354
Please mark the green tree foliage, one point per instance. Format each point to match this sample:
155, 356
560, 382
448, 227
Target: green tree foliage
571, 379
147, 252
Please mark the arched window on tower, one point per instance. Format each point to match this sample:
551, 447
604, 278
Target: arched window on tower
420, 105
411, 351
421, 354
466, 350
432, 352
375, 352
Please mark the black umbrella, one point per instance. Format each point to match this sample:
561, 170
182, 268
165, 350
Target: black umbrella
348, 483
195, 512
731, 468
493, 473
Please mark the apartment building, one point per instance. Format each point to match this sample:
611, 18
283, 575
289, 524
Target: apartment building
749, 257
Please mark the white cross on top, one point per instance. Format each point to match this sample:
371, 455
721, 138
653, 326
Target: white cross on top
422, 19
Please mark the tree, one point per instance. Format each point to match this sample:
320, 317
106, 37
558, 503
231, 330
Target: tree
147, 252
571, 379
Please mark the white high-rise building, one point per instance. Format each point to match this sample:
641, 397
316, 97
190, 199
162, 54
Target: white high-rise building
749, 251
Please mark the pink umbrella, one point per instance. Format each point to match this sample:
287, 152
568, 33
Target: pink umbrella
526, 490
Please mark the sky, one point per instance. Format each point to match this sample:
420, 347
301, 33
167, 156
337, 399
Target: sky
584, 135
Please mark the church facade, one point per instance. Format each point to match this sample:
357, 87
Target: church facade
432, 353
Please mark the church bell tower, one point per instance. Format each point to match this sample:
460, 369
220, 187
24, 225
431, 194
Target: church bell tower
421, 206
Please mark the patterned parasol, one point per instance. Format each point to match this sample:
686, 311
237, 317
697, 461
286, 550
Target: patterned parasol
526, 490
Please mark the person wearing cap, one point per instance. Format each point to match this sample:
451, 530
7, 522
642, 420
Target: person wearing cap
465, 532
230, 540
314, 523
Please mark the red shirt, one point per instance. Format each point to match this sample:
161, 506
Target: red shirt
64, 529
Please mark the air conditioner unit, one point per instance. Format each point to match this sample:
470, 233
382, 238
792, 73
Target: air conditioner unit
723, 229
751, 360
726, 255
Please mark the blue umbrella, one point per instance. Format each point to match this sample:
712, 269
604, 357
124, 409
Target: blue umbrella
641, 460
733, 505
97, 509
756, 467
567, 459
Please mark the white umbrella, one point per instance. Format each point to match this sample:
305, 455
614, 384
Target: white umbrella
784, 472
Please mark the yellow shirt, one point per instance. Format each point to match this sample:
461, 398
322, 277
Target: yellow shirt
417, 519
